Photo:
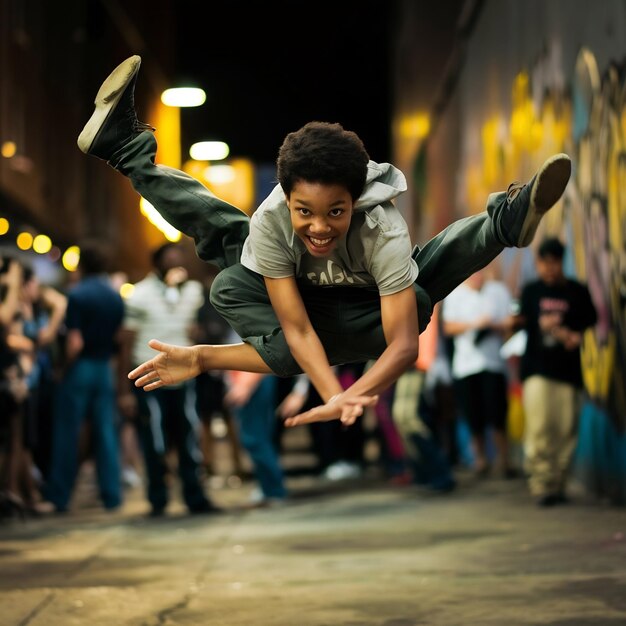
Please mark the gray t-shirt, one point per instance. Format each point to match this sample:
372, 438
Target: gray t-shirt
375, 253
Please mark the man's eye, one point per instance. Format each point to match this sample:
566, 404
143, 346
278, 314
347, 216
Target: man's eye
304, 211
336, 212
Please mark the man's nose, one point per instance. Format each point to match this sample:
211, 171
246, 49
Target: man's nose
319, 225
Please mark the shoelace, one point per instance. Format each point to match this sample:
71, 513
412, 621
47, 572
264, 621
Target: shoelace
138, 127
141, 126
513, 191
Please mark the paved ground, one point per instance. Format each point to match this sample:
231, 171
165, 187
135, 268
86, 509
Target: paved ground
353, 554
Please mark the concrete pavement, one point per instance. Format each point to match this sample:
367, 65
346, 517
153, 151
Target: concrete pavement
358, 554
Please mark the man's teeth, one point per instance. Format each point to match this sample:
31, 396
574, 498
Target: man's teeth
320, 242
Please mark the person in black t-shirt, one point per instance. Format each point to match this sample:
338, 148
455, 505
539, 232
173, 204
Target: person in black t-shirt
554, 311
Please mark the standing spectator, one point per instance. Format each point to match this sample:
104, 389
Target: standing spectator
93, 318
554, 311
42, 313
341, 450
13, 390
130, 453
252, 397
165, 303
477, 314
415, 418
211, 328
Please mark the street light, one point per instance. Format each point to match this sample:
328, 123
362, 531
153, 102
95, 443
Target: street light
183, 97
209, 151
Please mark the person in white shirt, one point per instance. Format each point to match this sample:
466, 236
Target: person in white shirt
476, 314
165, 303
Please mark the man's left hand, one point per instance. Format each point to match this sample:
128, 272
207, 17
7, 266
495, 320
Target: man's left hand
341, 407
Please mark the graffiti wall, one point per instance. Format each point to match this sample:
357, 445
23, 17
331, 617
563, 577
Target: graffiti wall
586, 119
598, 222
536, 78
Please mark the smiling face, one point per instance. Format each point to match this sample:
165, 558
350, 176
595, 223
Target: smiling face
320, 215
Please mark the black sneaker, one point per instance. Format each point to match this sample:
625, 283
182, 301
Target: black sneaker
548, 500
206, 508
114, 121
528, 203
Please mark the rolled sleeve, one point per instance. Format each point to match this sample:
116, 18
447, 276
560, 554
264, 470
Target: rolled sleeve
392, 266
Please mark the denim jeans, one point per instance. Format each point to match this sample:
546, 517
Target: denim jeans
87, 391
257, 423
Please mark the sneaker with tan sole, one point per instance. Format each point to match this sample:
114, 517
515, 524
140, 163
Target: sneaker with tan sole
528, 203
114, 120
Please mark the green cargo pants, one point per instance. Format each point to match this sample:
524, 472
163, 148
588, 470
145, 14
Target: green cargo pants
346, 319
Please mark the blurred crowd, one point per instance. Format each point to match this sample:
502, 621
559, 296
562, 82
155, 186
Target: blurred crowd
465, 408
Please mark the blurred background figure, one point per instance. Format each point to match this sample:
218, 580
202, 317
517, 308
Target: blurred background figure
477, 315
340, 450
252, 398
165, 305
42, 311
211, 328
393, 457
15, 483
415, 417
130, 451
87, 389
554, 311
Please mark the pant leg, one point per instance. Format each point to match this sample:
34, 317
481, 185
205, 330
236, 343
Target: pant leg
404, 408
539, 443
218, 228
184, 423
70, 407
395, 449
429, 463
153, 445
461, 249
257, 422
566, 430
105, 434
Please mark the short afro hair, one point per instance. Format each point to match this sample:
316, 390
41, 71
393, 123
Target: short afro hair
551, 247
322, 152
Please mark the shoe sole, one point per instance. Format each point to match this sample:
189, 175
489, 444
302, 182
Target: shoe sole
550, 183
106, 100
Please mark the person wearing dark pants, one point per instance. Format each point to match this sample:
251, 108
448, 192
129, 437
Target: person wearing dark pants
324, 272
252, 398
93, 318
164, 302
167, 421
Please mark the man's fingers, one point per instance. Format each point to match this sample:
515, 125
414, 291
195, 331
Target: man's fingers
155, 344
292, 421
154, 385
150, 377
361, 400
304, 418
349, 417
144, 368
312, 415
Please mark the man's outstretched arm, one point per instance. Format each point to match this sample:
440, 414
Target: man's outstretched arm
308, 351
175, 364
399, 319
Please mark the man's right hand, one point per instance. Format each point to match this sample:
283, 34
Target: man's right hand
172, 365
